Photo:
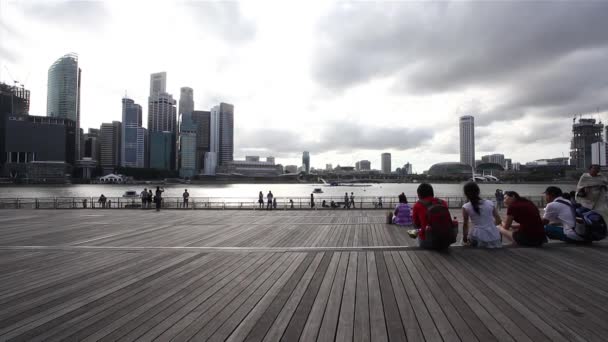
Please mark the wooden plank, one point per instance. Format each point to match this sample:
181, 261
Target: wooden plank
327, 331
394, 326
376, 309
346, 319
361, 328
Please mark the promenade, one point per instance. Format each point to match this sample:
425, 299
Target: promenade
245, 275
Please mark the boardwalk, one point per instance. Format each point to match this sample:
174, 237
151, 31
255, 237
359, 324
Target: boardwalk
306, 275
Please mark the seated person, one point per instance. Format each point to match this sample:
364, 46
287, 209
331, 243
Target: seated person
403, 213
333, 204
530, 230
484, 218
324, 204
559, 217
427, 199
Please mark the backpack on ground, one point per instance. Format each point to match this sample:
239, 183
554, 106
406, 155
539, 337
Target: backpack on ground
440, 230
590, 225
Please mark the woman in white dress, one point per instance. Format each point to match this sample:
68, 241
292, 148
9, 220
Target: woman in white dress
484, 218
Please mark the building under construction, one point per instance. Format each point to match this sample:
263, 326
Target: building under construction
584, 133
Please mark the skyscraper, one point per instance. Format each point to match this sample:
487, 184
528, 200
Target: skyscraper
162, 149
202, 120
134, 137
110, 139
386, 163
467, 140
226, 133
187, 146
306, 162
584, 133
162, 114
63, 93
186, 101
92, 145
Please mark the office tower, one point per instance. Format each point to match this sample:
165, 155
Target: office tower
329, 167
186, 101
134, 136
92, 144
306, 162
598, 153
162, 114
467, 140
270, 160
63, 93
386, 163
363, 165
202, 121
13, 101
508, 164
585, 132
161, 150
408, 169
226, 133
187, 147
110, 141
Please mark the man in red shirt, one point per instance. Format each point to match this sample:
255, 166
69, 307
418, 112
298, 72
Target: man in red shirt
425, 195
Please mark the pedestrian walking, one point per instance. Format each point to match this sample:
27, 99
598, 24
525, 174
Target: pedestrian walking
352, 199
186, 196
269, 198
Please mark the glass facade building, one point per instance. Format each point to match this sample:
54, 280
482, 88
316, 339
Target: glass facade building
63, 93
161, 150
134, 137
187, 144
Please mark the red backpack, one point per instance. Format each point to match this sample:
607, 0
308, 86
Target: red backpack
440, 230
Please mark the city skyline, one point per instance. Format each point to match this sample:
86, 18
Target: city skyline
294, 99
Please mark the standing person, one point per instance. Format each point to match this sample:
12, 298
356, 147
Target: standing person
312, 200
186, 196
269, 198
352, 199
379, 202
102, 201
346, 201
591, 191
559, 218
261, 200
158, 198
402, 215
144, 198
274, 202
499, 198
291, 203
529, 231
484, 217
431, 214
149, 198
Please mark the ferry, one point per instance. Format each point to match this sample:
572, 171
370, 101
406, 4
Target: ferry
318, 191
130, 194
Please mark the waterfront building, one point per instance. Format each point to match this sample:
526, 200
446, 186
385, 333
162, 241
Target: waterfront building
450, 169
270, 160
162, 150
306, 161
516, 166
363, 165
226, 133
186, 101
408, 169
467, 140
560, 161
585, 132
291, 169
386, 163
14, 101
210, 163
162, 114
495, 158
328, 167
508, 164
187, 147
63, 93
134, 137
203, 136
252, 158
251, 168
110, 144
598, 153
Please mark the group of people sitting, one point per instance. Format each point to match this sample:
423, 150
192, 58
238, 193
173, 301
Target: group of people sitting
578, 219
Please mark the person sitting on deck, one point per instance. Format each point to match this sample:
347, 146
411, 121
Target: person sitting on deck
530, 230
484, 218
402, 215
559, 217
431, 216
333, 204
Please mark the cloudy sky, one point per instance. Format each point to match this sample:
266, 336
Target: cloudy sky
344, 80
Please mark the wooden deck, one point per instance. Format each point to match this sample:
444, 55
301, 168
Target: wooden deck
306, 275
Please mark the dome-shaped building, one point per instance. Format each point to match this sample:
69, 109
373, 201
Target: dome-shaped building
450, 169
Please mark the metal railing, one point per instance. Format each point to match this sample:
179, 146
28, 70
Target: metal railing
283, 203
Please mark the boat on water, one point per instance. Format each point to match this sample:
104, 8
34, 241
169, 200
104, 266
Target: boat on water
318, 191
130, 194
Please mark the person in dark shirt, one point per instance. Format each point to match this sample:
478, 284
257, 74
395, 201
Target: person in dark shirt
530, 229
158, 198
426, 194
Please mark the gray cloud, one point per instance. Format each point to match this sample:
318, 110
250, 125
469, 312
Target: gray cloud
222, 18
336, 137
68, 14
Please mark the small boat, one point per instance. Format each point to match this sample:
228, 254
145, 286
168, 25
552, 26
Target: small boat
130, 194
318, 191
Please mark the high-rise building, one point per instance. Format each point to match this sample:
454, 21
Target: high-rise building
63, 93
598, 153
508, 164
495, 158
408, 169
161, 150
134, 136
329, 167
290, 169
386, 163
14, 101
270, 160
202, 121
363, 165
187, 146
306, 161
585, 132
162, 114
467, 140
186, 100
92, 145
110, 139
226, 133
